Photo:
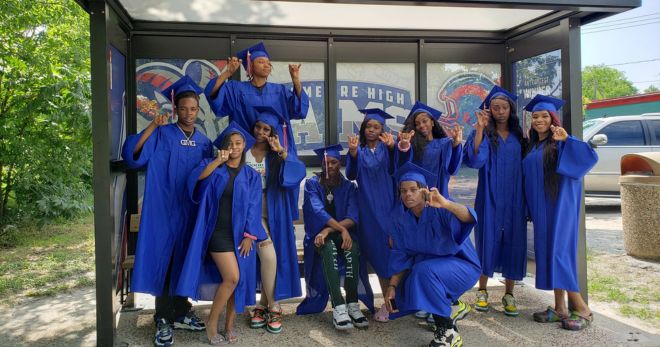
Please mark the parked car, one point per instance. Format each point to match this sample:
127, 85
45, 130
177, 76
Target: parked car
612, 137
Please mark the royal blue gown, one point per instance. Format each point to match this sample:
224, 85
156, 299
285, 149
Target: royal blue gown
316, 218
287, 175
501, 234
372, 170
556, 221
439, 256
200, 277
440, 158
167, 213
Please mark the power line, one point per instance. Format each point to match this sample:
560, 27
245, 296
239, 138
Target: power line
633, 62
624, 19
631, 26
618, 24
645, 82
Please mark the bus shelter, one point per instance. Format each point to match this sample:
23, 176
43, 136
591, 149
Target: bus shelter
354, 54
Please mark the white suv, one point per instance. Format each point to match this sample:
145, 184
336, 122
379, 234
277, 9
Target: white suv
612, 137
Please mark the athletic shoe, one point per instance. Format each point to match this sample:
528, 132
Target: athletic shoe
422, 314
164, 334
459, 311
446, 337
189, 322
358, 319
509, 303
482, 301
340, 318
259, 317
274, 321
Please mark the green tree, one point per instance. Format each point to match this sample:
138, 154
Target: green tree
45, 134
651, 89
603, 82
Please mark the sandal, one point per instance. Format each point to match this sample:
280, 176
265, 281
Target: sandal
231, 336
576, 322
382, 315
218, 340
548, 316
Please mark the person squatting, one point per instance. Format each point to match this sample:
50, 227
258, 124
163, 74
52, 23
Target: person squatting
230, 232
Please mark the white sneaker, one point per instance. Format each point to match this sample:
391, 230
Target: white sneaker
446, 338
359, 320
340, 318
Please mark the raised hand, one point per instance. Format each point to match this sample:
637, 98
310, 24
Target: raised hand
558, 133
405, 138
456, 134
233, 64
434, 198
222, 157
353, 141
483, 117
160, 120
274, 142
294, 71
387, 139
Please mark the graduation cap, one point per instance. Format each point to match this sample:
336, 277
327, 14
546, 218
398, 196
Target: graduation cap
234, 128
375, 114
412, 172
249, 54
330, 151
184, 84
419, 107
497, 91
270, 116
544, 103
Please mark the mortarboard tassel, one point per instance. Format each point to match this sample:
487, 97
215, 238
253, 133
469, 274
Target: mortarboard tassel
284, 128
249, 63
172, 98
325, 163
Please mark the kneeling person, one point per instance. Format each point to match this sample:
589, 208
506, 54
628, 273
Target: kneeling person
432, 260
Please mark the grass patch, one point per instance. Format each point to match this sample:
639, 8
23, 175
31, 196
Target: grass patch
620, 280
48, 260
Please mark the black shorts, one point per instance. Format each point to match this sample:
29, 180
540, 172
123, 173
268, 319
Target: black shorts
221, 241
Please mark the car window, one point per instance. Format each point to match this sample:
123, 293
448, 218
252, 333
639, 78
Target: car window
626, 133
655, 130
588, 124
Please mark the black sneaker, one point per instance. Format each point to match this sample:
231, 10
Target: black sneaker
164, 335
446, 337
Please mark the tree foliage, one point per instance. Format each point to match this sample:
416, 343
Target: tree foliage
45, 133
603, 82
651, 89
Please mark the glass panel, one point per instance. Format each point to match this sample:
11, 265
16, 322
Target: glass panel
154, 75
540, 74
117, 101
389, 86
458, 90
655, 131
310, 132
624, 134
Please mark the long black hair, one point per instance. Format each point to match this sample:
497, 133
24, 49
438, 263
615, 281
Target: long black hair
272, 159
550, 176
513, 123
419, 142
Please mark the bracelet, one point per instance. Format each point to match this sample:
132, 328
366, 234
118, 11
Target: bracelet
250, 236
401, 149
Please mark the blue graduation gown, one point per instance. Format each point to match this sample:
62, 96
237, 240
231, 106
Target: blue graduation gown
373, 170
440, 158
287, 175
200, 277
501, 234
167, 213
556, 222
237, 100
345, 200
439, 255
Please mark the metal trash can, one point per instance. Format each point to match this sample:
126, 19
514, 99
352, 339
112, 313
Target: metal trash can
640, 204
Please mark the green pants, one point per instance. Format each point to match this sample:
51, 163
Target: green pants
329, 252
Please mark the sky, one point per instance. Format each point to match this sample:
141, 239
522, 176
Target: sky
629, 42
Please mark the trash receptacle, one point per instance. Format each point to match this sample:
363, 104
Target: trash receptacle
640, 204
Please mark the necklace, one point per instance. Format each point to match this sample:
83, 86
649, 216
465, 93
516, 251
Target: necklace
187, 141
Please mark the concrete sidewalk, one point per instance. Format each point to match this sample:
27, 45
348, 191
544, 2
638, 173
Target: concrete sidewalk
69, 320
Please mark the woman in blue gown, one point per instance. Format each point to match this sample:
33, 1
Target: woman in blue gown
424, 142
495, 147
553, 170
277, 256
220, 264
237, 99
433, 261
370, 162
169, 152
